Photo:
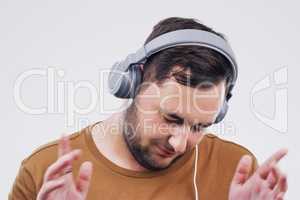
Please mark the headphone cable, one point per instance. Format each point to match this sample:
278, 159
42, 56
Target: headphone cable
195, 174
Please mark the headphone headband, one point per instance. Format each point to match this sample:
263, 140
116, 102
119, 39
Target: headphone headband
168, 40
192, 37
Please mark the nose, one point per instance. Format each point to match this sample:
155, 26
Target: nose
178, 140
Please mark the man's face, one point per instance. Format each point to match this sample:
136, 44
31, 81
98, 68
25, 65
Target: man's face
166, 121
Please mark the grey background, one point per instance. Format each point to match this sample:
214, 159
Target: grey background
83, 38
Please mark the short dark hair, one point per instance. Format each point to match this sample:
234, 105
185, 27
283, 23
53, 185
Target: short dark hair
196, 64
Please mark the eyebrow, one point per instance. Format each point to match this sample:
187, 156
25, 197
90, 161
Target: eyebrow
177, 117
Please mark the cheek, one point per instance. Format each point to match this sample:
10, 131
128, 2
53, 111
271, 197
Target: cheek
150, 128
150, 121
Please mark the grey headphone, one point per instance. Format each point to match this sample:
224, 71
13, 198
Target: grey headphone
125, 76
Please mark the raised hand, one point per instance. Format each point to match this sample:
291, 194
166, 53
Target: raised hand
267, 182
58, 181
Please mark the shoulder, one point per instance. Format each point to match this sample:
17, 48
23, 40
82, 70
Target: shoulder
41, 158
225, 147
48, 151
222, 156
226, 153
30, 176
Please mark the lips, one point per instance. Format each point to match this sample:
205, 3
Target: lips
163, 152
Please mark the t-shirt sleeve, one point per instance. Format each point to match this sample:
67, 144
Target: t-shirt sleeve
24, 186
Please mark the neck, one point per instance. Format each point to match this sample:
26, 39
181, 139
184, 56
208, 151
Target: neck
109, 139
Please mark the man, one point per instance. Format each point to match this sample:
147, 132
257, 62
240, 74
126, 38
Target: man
157, 148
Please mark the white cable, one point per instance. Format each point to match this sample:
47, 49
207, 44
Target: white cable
195, 174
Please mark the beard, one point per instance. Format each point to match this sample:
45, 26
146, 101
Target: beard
142, 154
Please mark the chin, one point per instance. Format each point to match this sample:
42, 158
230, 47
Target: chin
164, 162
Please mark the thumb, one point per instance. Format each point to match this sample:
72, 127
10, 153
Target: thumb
84, 178
243, 170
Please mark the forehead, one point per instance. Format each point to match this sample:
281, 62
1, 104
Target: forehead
193, 104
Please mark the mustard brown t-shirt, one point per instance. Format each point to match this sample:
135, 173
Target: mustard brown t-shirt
217, 161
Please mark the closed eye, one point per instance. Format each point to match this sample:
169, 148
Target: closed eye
174, 121
200, 127
173, 118
197, 128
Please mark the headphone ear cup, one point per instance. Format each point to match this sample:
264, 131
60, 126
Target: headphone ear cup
125, 84
222, 112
